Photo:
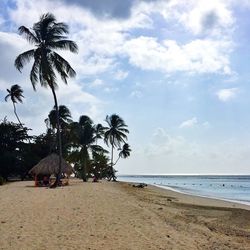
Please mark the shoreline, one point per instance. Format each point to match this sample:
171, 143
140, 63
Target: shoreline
245, 203
197, 200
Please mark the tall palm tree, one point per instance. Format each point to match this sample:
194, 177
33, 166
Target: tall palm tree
15, 93
114, 135
124, 152
48, 36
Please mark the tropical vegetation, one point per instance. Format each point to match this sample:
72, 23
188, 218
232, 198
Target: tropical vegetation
82, 143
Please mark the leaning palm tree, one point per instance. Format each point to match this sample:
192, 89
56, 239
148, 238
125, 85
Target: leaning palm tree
114, 135
48, 35
124, 152
15, 93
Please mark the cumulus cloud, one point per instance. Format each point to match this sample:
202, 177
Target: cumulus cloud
198, 56
211, 18
189, 123
226, 95
165, 144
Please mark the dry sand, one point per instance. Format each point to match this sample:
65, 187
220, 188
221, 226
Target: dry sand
117, 216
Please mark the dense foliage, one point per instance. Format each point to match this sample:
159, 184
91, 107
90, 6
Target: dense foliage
20, 152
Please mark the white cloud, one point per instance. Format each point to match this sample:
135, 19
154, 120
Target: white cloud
198, 56
226, 95
209, 17
96, 83
120, 75
189, 123
193, 122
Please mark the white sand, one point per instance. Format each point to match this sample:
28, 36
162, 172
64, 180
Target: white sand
117, 216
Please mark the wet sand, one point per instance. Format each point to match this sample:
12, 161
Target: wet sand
117, 216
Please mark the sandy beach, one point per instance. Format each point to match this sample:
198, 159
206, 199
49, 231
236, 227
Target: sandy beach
117, 216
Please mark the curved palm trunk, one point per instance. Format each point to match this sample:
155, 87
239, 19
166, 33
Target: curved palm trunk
17, 115
58, 176
117, 160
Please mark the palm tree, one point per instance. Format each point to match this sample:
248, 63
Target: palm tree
99, 131
83, 137
124, 152
48, 35
64, 120
64, 117
15, 93
114, 135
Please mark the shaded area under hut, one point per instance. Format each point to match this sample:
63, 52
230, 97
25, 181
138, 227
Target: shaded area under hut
47, 167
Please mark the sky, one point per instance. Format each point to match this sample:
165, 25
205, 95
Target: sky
176, 71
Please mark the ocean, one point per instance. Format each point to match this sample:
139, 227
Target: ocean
225, 187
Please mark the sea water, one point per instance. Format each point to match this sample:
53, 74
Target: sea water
226, 187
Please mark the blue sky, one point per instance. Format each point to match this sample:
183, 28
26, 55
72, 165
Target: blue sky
177, 71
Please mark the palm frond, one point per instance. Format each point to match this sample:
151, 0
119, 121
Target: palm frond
29, 36
7, 97
34, 73
24, 58
64, 45
57, 29
62, 66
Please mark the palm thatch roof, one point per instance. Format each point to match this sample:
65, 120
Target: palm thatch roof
50, 165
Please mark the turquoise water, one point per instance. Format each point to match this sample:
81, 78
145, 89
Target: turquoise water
230, 187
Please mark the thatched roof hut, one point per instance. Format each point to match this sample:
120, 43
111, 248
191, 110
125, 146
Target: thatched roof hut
49, 165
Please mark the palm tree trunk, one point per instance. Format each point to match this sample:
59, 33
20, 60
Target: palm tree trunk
17, 115
58, 176
112, 159
117, 160
84, 170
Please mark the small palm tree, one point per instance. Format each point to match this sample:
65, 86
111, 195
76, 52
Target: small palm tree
64, 117
83, 146
15, 93
48, 36
124, 152
99, 131
65, 121
114, 135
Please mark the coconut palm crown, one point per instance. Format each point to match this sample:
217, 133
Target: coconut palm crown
15, 93
48, 36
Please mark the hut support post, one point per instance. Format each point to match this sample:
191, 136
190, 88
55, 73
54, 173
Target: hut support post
36, 182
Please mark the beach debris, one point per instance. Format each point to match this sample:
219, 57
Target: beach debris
140, 185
